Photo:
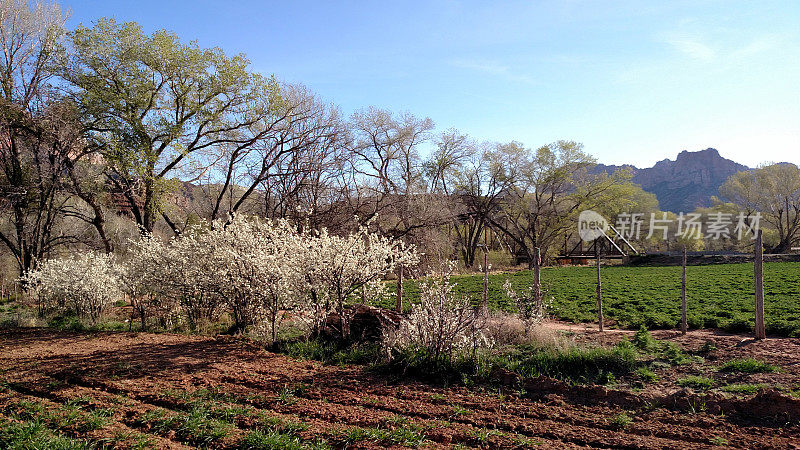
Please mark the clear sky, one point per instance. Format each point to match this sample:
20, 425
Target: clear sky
635, 81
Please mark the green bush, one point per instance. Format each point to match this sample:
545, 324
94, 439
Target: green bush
644, 341
738, 325
646, 375
68, 323
621, 421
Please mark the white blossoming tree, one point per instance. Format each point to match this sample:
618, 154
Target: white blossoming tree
83, 283
341, 266
441, 325
258, 271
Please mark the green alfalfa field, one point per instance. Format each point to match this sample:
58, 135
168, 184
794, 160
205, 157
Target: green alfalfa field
719, 296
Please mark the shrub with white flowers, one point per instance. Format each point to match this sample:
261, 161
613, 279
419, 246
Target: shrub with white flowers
256, 270
442, 324
82, 283
259, 270
338, 267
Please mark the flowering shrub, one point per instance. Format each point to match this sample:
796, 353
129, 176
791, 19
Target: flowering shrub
256, 270
83, 283
442, 325
339, 267
530, 311
260, 269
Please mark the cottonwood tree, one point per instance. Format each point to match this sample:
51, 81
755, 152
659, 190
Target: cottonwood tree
37, 136
389, 171
287, 170
310, 187
480, 182
774, 192
551, 185
157, 108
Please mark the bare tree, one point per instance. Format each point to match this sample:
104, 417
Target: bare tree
481, 185
35, 140
460, 170
388, 172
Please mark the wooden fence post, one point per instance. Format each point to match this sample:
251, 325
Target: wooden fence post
684, 321
485, 302
759, 285
399, 305
537, 279
599, 289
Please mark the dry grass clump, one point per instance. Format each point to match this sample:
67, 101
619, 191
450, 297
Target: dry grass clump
505, 329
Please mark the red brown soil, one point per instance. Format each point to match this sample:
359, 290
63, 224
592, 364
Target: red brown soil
132, 372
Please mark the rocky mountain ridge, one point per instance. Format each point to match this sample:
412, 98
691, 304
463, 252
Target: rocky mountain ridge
686, 183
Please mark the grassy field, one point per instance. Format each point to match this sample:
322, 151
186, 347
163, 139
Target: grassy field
719, 296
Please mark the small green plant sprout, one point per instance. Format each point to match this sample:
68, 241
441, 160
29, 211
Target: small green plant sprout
644, 341
621, 421
286, 396
748, 365
606, 378
673, 353
718, 440
437, 397
708, 346
482, 435
459, 410
646, 375
525, 442
696, 382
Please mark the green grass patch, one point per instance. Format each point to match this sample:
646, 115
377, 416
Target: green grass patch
331, 352
621, 421
408, 436
646, 375
196, 427
574, 364
35, 434
276, 440
748, 365
72, 415
696, 382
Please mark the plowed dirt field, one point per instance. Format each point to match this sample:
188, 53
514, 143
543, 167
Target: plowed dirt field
139, 390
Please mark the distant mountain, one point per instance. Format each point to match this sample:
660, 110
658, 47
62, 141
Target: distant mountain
687, 183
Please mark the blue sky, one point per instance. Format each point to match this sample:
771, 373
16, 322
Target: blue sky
635, 81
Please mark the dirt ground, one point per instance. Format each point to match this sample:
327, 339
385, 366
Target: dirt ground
129, 375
